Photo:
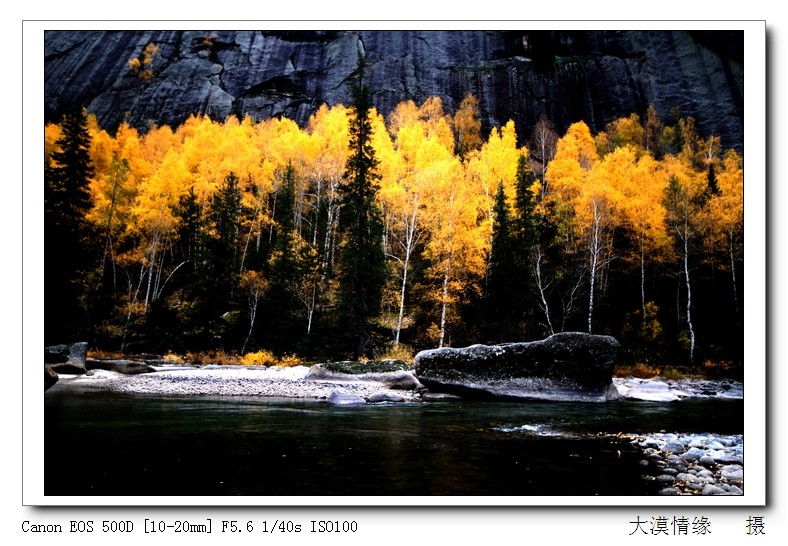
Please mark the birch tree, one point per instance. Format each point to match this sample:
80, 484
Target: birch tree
684, 200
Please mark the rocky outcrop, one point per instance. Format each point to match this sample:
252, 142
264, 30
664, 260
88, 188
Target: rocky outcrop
68, 359
656, 389
50, 377
595, 76
570, 366
391, 374
129, 367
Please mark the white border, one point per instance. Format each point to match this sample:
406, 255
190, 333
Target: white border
755, 263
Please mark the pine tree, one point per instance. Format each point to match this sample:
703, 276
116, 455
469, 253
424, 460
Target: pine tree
191, 238
525, 235
281, 301
219, 289
362, 260
67, 249
502, 290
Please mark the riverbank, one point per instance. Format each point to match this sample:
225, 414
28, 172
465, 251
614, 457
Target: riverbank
294, 382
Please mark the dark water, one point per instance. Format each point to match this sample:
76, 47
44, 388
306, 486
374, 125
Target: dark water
129, 445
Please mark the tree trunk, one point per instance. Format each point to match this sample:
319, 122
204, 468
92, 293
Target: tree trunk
541, 286
444, 301
253, 300
733, 276
689, 297
411, 228
643, 283
595, 248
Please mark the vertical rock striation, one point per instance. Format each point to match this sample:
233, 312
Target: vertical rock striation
595, 76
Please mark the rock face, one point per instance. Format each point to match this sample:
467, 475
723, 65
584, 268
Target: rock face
569, 366
595, 76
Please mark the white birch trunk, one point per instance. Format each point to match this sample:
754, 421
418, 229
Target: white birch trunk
444, 301
542, 288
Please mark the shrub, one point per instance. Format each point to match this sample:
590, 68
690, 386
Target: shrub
100, 354
172, 358
288, 361
639, 370
260, 358
212, 357
399, 352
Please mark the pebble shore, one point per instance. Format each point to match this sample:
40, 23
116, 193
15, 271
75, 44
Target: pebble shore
694, 464
688, 464
679, 464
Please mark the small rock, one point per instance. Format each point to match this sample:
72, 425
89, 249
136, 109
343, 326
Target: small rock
439, 397
665, 479
341, 398
710, 489
707, 460
693, 454
673, 447
733, 473
385, 397
670, 491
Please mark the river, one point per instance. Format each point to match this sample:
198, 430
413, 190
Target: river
114, 444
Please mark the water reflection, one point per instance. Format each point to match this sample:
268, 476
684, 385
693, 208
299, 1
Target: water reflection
166, 445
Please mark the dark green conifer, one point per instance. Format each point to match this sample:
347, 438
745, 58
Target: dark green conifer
503, 282
361, 259
67, 246
281, 328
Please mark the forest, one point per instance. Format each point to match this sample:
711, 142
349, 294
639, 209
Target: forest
363, 236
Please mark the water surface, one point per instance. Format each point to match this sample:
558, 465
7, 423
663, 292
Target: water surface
130, 445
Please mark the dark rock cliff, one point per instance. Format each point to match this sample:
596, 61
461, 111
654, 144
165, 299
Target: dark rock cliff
595, 76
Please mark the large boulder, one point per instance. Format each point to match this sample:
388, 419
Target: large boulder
570, 366
67, 359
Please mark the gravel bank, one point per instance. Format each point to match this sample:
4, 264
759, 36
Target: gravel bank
238, 381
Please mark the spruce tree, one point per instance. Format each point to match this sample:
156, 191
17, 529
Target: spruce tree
526, 235
502, 295
281, 328
67, 245
524, 208
220, 273
362, 262
513, 238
